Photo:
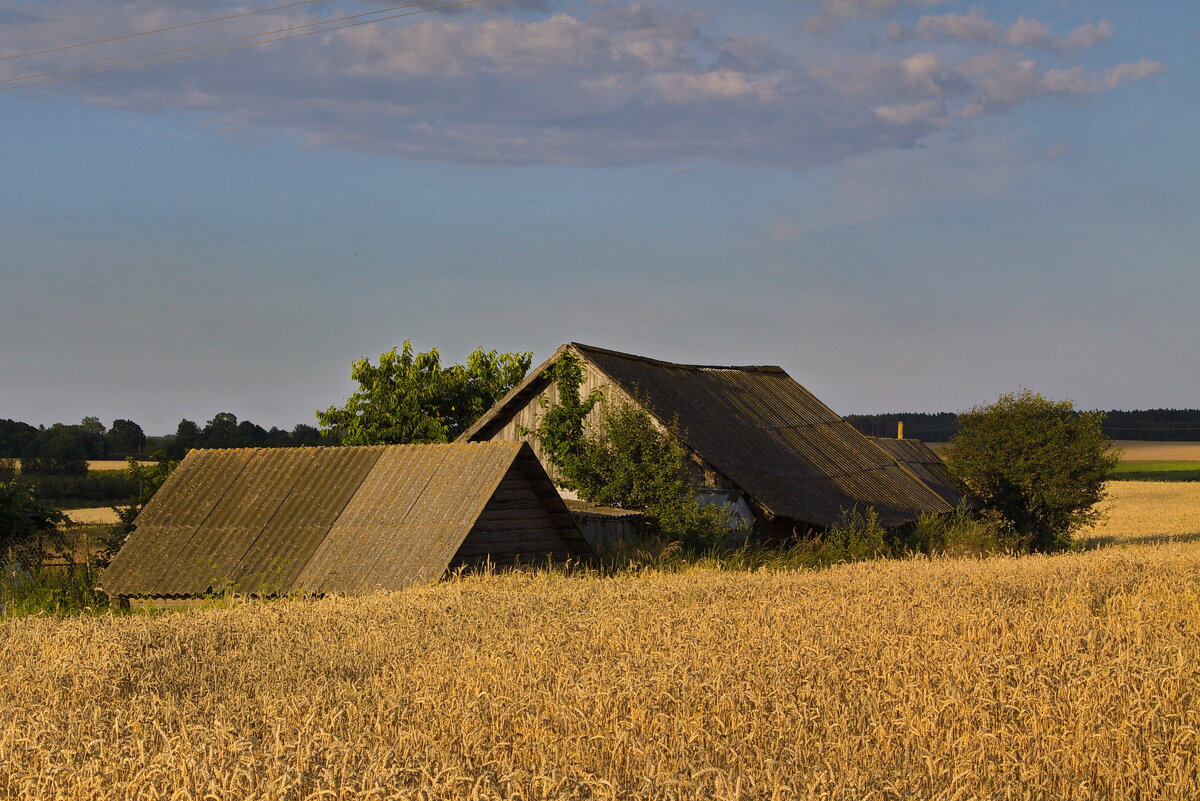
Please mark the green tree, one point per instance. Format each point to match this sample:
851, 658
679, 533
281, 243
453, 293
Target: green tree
24, 518
1039, 465
611, 452
411, 397
187, 436
125, 438
58, 451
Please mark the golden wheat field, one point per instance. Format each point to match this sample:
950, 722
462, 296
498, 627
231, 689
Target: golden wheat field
1064, 677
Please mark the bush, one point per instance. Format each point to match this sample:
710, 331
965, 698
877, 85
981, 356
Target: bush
24, 518
26, 590
1039, 466
963, 533
857, 536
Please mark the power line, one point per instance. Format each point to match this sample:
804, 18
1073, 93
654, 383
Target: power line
215, 43
160, 30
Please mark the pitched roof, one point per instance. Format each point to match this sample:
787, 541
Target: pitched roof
758, 427
926, 465
271, 521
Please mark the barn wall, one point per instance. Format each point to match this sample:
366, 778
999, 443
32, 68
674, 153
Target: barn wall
514, 525
606, 531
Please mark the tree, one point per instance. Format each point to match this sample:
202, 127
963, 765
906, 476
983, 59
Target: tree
1039, 465
410, 397
125, 438
91, 434
612, 452
187, 436
58, 451
221, 431
24, 519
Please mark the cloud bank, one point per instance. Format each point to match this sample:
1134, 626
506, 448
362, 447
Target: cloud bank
594, 83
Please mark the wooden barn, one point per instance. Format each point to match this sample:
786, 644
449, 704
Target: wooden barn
350, 520
761, 443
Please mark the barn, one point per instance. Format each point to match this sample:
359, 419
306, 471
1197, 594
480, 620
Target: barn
349, 520
760, 442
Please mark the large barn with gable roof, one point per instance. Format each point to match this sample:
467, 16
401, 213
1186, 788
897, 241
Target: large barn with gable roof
759, 440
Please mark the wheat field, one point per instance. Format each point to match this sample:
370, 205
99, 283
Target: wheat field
1068, 677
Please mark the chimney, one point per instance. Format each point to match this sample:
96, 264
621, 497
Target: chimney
900, 430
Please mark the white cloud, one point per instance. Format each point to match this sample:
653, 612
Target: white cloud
1032, 33
970, 27
603, 82
1003, 80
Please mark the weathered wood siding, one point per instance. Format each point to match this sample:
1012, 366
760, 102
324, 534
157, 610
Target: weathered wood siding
606, 531
515, 525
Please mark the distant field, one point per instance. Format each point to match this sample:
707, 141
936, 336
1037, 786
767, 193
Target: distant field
1141, 451
1158, 471
1146, 461
99, 464
101, 514
1147, 512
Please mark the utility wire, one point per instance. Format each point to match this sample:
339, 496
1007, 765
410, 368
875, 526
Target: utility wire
218, 42
159, 30
236, 47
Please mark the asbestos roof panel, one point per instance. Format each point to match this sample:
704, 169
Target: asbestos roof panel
408, 517
171, 518
443, 515
274, 560
207, 562
925, 464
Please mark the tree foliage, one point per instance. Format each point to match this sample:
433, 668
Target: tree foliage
620, 456
1040, 465
411, 398
23, 516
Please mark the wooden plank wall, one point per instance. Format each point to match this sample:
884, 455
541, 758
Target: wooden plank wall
515, 526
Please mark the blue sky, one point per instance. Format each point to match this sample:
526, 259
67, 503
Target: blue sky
908, 204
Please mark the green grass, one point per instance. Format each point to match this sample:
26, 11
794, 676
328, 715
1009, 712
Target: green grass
1157, 471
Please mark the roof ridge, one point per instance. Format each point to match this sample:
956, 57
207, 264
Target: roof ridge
747, 368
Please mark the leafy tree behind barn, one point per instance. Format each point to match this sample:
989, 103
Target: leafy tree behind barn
410, 397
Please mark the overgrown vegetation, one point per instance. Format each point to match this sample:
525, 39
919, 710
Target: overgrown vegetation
411, 398
611, 452
1040, 466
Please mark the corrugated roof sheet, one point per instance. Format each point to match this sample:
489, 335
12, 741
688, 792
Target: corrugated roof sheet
271, 521
762, 430
925, 464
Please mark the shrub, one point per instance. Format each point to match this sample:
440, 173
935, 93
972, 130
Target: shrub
1038, 465
858, 535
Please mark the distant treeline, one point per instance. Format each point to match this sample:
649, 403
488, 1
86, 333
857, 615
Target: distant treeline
64, 450
1174, 425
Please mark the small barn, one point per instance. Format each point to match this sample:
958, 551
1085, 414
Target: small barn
761, 443
350, 520
926, 465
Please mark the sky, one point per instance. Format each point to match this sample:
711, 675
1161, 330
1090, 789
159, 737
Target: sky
910, 205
